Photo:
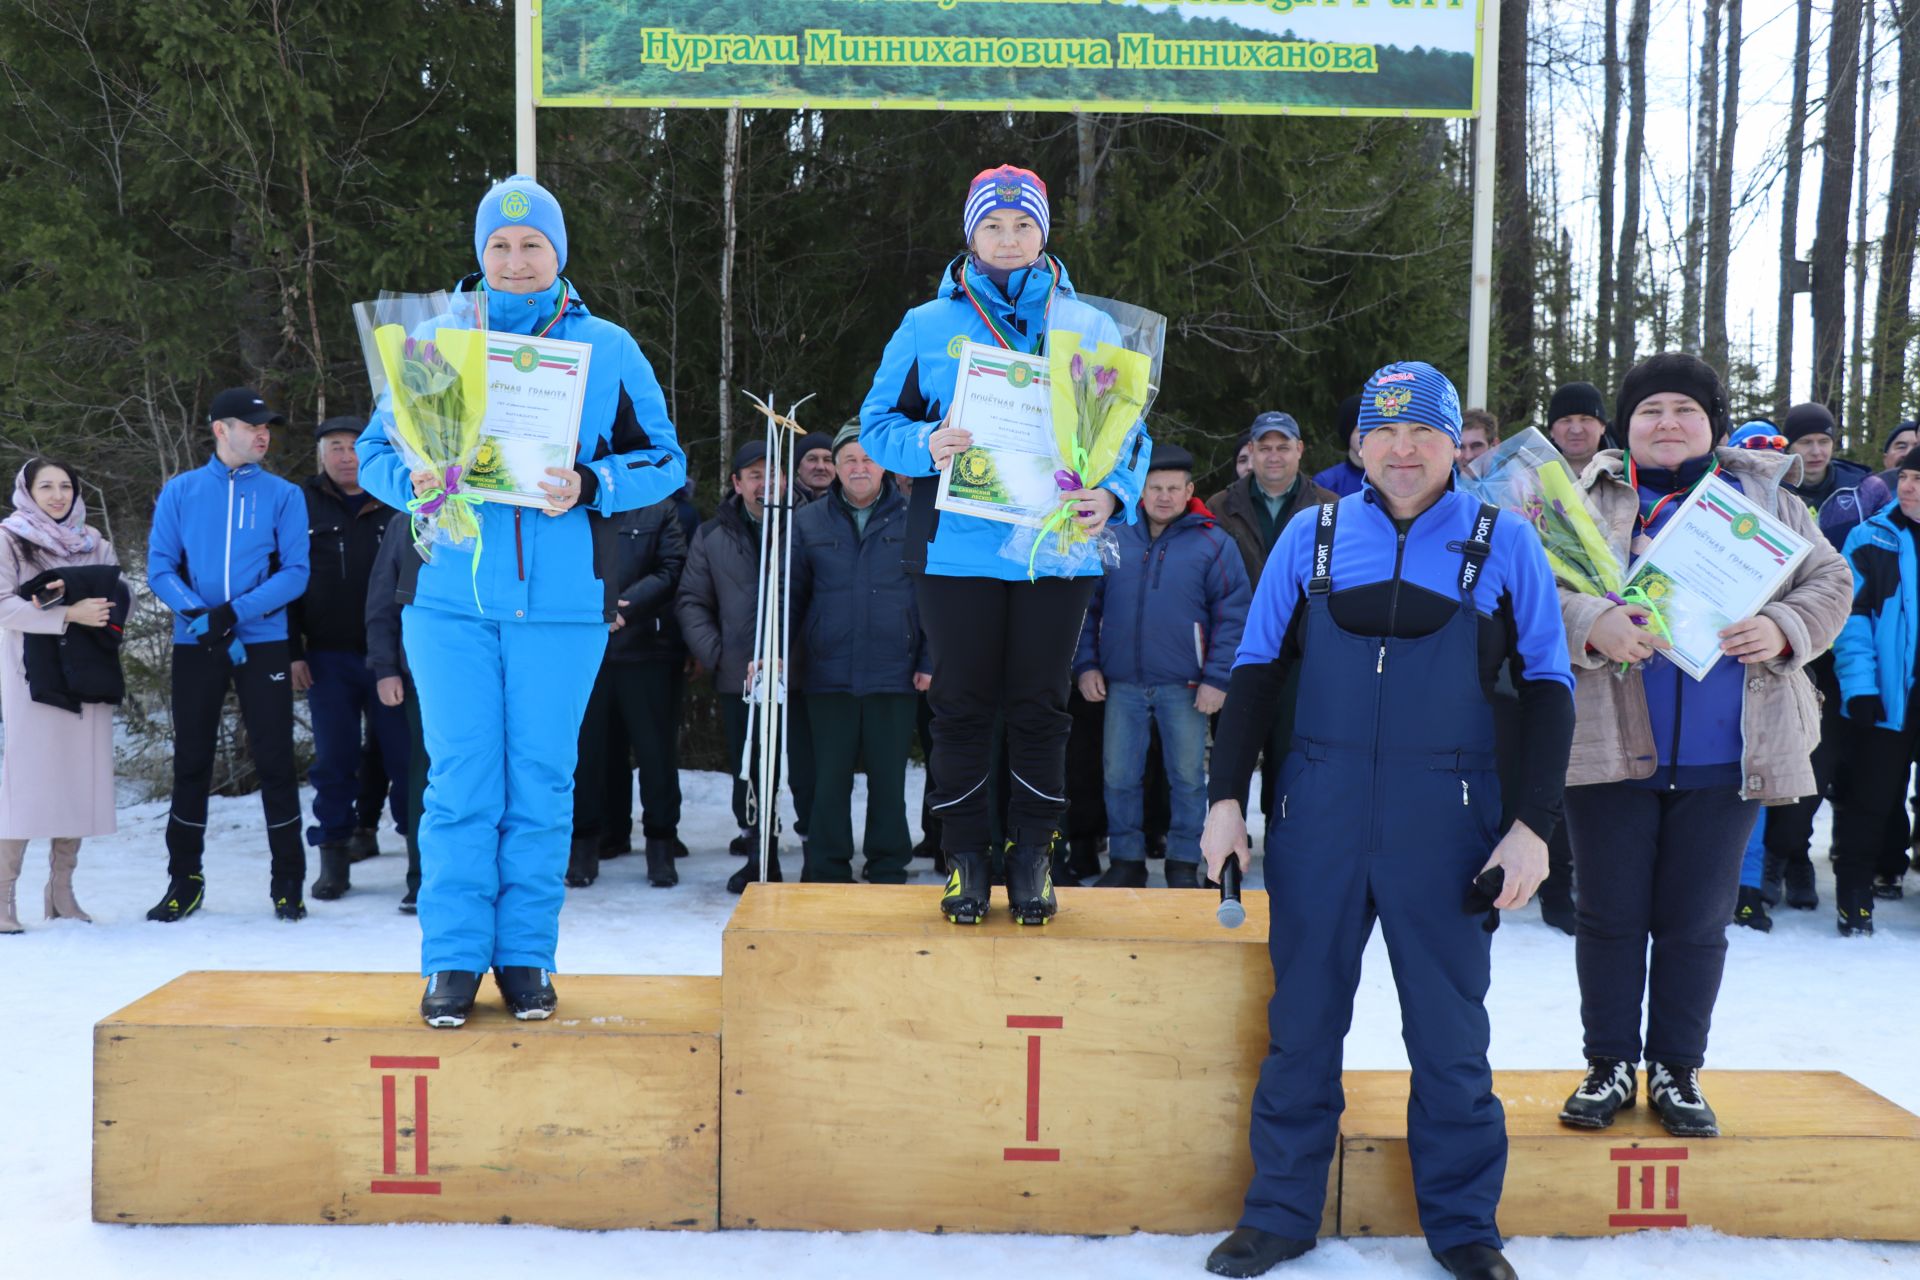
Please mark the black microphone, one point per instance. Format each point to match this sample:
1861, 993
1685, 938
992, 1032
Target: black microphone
1230, 913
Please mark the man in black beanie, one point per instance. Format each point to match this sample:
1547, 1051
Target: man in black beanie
1577, 423
1809, 431
1345, 476
812, 465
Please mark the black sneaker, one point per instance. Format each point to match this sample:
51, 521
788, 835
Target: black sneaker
289, 909
183, 897
1030, 883
411, 903
1250, 1251
1889, 888
1182, 875
750, 874
527, 990
363, 844
1123, 873
449, 998
1801, 894
1674, 1093
661, 873
1609, 1086
967, 898
332, 880
1751, 911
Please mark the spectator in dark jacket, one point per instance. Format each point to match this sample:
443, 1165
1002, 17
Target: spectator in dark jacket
716, 607
327, 638
862, 656
397, 565
1577, 424
635, 702
1158, 645
1830, 486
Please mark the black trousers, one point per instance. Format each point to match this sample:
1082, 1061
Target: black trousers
1869, 802
799, 770
201, 678
1660, 868
1789, 832
634, 714
1001, 648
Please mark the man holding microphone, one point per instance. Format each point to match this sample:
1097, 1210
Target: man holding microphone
1399, 605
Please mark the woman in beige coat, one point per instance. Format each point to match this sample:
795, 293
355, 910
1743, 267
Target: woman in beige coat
56, 775
1668, 773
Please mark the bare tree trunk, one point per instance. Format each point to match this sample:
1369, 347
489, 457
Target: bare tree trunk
1856, 380
1700, 182
1609, 158
1891, 314
1514, 393
1720, 225
1836, 192
1086, 203
1623, 338
729, 180
1790, 213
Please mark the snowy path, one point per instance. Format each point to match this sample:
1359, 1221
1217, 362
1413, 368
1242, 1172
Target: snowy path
1800, 998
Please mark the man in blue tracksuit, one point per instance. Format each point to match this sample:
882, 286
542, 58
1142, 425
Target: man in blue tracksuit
1157, 647
504, 652
228, 554
1399, 604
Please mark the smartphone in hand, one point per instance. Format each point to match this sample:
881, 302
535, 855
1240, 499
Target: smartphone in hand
47, 597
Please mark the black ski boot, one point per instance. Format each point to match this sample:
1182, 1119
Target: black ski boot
183, 897
968, 897
1475, 1262
583, 862
1751, 911
1856, 911
1123, 873
1609, 1086
1182, 875
750, 874
333, 880
1030, 882
289, 909
1250, 1251
449, 998
363, 844
660, 870
1801, 894
528, 991
1674, 1093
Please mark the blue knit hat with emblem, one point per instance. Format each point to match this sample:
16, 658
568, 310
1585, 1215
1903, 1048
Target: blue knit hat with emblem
1007, 187
520, 202
1410, 391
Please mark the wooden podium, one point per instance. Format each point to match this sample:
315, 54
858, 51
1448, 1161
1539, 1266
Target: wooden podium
1807, 1154
887, 1070
320, 1097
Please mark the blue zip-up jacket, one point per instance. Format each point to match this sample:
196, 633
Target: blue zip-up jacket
1696, 723
1342, 477
852, 598
535, 567
229, 535
1173, 609
1874, 653
913, 389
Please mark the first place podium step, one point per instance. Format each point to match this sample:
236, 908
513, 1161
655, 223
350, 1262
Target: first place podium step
320, 1097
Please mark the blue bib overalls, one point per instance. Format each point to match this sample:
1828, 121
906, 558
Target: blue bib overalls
1389, 805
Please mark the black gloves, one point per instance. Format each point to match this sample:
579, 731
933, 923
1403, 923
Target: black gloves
1866, 710
214, 627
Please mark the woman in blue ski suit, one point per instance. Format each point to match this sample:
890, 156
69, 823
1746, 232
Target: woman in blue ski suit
1002, 643
504, 653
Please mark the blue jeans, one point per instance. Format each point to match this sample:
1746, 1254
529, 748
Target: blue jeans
1183, 744
343, 692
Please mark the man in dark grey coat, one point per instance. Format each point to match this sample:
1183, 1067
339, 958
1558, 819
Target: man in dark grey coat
717, 607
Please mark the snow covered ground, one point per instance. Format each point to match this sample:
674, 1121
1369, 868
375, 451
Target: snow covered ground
1800, 998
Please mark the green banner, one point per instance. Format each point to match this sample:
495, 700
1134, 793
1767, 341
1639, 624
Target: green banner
1326, 57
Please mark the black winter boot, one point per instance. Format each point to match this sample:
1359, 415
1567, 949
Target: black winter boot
967, 898
332, 880
1250, 1251
1801, 893
1475, 1262
660, 870
363, 844
1030, 882
1182, 875
583, 862
750, 874
1773, 877
1123, 873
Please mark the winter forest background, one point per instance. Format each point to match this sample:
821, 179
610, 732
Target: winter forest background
194, 192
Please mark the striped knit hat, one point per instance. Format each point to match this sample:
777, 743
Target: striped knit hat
1005, 188
1410, 391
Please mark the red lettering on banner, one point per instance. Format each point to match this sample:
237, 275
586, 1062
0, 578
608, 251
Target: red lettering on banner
390, 1126
1036, 1022
1649, 1159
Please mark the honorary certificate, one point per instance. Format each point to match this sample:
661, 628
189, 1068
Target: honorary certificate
1004, 400
1717, 561
535, 387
